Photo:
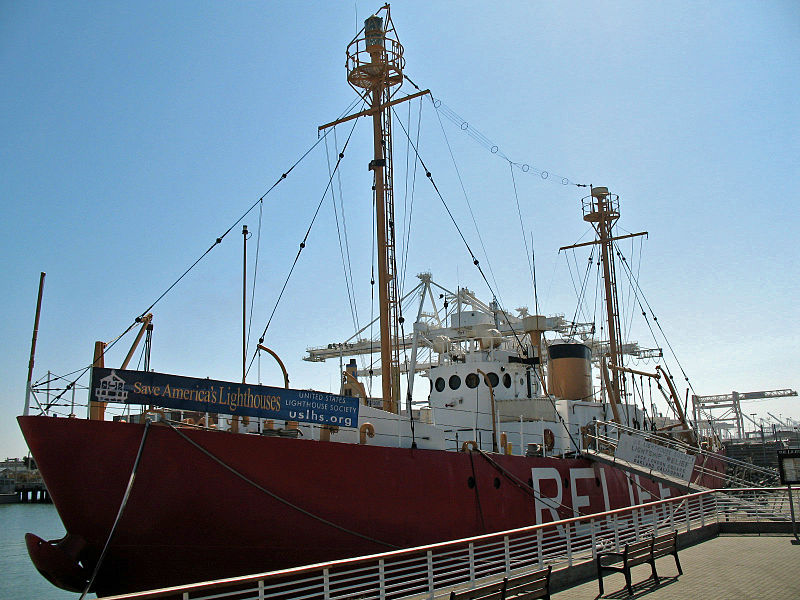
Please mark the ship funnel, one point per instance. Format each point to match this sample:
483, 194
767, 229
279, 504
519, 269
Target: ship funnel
570, 372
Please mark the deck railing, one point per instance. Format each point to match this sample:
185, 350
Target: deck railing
432, 571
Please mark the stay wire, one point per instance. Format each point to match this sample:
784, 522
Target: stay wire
83, 370
407, 226
218, 241
484, 141
345, 263
466, 198
273, 495
475, 261
119, 512
638, 292
303, 243
346, 239
582, 295
255, 274
522, 228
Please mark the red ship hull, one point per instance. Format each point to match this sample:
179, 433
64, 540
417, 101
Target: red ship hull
189, 518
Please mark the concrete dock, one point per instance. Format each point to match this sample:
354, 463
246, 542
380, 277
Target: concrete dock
730, 566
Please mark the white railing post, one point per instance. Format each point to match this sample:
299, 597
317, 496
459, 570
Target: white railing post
382, 579
616, 533
471, 565
261, 590
326, 583
758, 507
567, 529
539, 548
507, 554
430, 574
702, 512
655, 520
688, 515
594, 538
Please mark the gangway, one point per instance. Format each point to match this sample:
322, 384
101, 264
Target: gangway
737, 473
709, 467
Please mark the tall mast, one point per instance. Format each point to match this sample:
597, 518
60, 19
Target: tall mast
603, 213
374, 65
601, 209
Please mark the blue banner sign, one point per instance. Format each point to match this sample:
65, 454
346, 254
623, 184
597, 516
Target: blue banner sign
209, 395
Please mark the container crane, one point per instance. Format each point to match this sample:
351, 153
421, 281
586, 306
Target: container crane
731, 405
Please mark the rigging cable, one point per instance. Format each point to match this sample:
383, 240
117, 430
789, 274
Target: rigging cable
303, 243
345, 260
83, 370
466, 198
255, 273
475, 261
484, 141
407, 223
639, 292
122, 506
273, 495
582, 295
524, 237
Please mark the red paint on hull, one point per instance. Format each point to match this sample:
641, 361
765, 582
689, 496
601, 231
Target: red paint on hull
188, 518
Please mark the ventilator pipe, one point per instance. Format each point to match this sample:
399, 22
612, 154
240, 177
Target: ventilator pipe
366, 429
280, 363
326, 431
504, 442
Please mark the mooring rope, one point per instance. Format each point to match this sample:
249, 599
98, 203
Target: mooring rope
119, 513
273, 495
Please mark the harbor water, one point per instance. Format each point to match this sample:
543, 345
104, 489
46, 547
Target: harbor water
20, 579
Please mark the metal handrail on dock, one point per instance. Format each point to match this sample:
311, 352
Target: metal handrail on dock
432, 571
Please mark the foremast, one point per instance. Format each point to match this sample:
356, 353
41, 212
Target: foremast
374, 67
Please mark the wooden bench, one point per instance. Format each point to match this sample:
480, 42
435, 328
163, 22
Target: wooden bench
530, 586
639, 553
666, 545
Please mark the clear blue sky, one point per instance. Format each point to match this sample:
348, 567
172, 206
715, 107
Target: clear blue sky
133, 134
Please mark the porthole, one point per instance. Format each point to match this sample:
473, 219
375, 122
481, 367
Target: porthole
439, 384
496, 483
472, 380
471, 482
493, 379
507, 380
455, 382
